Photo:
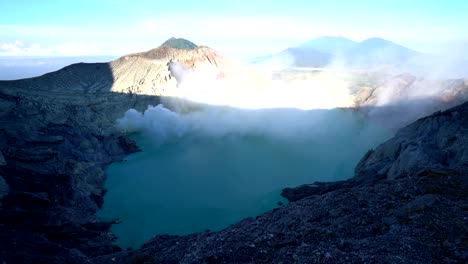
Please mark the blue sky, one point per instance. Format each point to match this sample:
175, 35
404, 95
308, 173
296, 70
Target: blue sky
236, 28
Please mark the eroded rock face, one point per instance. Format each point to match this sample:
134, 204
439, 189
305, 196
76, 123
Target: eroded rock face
2, 159
151, 73
437, 142
4, 187
55, 146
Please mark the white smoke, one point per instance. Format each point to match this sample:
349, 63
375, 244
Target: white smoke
265, 99
255, 88
275, 83
164, 125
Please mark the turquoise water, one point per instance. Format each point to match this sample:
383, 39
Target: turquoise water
197, 182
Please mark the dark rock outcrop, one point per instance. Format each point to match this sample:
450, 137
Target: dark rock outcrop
436, 143
4, 188
54, 147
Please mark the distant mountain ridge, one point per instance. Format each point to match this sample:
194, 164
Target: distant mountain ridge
380, 51
371, 52
332, 45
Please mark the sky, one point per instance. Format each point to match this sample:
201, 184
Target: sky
235, 28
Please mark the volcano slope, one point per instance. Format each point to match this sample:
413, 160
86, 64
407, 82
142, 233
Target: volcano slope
407, 202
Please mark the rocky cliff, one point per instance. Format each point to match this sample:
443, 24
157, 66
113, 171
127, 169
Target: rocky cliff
54, 148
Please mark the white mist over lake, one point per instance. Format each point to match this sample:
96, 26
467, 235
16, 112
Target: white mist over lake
212, 167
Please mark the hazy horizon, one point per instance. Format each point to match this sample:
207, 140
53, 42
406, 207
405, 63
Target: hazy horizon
26, 66
235, 28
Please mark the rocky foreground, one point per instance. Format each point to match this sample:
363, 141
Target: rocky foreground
51, 173
406, 204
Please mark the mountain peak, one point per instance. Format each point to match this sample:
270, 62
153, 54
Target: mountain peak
380, 43
371, 52
179, 43
330, 44
377, 41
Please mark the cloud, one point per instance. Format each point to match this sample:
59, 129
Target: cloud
243, 36
53, 40
18, 48
12, 48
